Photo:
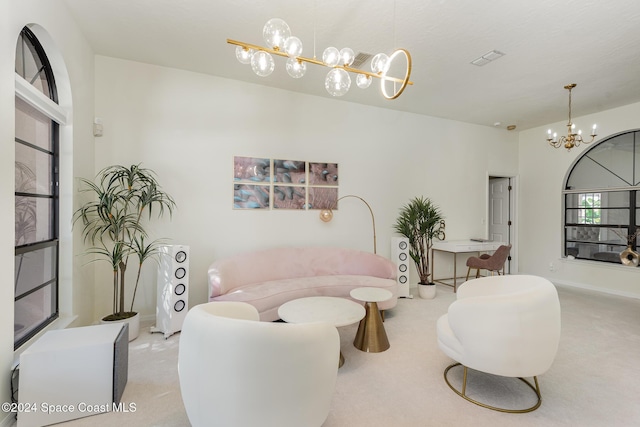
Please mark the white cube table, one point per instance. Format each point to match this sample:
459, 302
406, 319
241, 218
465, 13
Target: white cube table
72, 373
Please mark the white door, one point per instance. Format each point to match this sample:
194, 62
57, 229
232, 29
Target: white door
499, 211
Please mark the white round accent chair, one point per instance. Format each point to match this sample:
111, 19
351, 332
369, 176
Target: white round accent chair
502, 325
237, 371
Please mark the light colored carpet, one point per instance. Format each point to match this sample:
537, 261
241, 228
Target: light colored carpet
593, 381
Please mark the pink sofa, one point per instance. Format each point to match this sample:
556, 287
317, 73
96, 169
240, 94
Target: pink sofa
268, 278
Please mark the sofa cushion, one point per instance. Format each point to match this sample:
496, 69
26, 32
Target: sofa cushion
262, 266
268, 296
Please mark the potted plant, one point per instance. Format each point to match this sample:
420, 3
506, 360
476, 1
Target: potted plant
114, 225
420, 221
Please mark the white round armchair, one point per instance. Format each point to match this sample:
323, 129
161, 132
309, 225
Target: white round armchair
502, 325
237, 371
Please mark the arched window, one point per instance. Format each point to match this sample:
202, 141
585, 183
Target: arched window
36, 190
601, 201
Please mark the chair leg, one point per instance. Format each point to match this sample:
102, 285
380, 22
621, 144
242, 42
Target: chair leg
468, 271
477, 273
464, 381
462, 393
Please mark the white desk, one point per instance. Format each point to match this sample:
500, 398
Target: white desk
456, 247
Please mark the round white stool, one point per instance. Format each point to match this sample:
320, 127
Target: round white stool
371, 336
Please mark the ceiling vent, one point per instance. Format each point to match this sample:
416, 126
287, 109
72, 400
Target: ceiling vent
487, 57
360, 59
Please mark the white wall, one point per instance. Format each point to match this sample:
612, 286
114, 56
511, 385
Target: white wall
71, 55
7, 91
187, 127
543, 170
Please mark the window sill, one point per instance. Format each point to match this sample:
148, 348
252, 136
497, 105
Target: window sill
609, 265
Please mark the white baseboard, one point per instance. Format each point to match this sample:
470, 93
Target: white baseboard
571, 284
148, 318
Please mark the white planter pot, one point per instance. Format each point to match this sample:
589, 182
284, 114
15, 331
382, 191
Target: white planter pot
134, 325
427, 291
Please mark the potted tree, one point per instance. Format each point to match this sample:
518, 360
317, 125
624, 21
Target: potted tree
420, 221
124, 198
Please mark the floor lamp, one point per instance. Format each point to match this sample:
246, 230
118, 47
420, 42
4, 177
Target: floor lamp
326, 215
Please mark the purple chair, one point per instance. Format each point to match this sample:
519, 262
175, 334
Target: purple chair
491, 263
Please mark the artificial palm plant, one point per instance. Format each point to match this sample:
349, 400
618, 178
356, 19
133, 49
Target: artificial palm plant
420, 221
114, 223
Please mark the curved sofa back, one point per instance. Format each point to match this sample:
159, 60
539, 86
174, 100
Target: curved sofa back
291, 262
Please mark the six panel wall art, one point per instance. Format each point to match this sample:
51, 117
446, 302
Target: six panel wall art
260, 183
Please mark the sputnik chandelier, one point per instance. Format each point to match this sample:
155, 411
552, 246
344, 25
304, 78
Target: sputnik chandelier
572, 139
280, 42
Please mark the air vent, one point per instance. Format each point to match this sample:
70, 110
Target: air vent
361, 58
487, 57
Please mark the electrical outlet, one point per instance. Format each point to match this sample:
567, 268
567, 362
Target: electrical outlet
98, 130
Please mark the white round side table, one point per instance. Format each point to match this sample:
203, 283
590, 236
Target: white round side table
333, 310
371, 336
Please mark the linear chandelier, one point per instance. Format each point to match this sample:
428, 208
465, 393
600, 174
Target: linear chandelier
280, 42
572, 139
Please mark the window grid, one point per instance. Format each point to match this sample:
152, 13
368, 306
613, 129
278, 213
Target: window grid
36, 196
589, 213
600, 214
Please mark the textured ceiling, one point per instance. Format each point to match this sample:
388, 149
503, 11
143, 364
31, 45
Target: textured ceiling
547, 44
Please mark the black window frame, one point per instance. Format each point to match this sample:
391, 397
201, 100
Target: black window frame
617, 241
27, 36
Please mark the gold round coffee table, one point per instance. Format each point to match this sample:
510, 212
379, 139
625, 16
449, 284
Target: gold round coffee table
371, 336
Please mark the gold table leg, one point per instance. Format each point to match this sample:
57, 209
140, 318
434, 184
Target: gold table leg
455, 273
371, 336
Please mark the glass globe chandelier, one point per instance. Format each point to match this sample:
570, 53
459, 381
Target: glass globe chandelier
279, 41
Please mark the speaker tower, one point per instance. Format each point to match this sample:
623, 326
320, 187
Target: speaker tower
173, 289
400, 256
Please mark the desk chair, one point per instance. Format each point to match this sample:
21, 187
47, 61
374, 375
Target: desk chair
491, 263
